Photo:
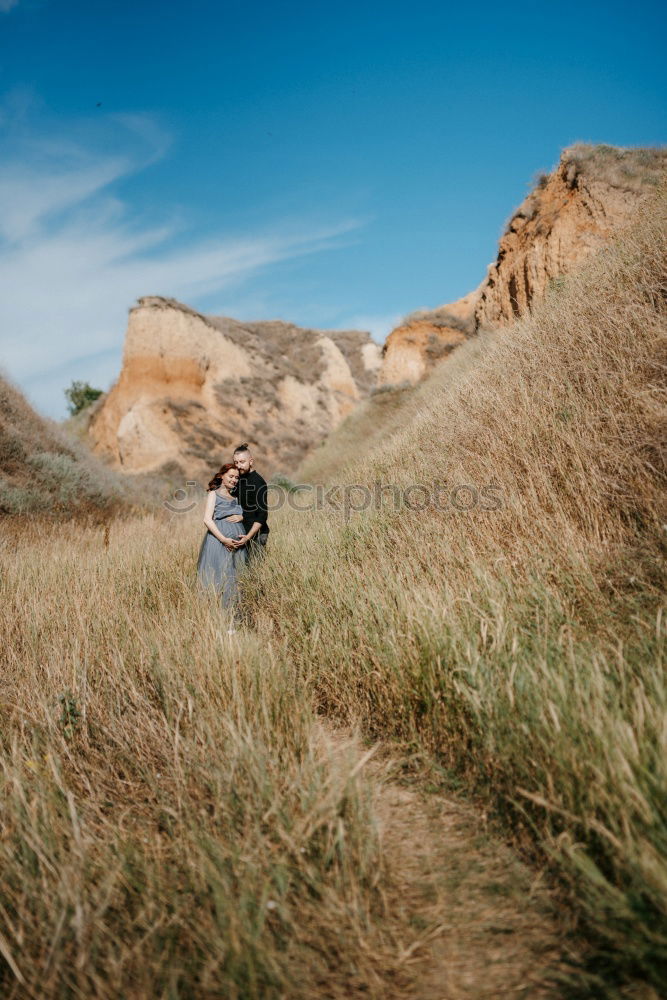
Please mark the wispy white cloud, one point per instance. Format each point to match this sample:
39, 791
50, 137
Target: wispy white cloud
30, 195
7, 5
72, 261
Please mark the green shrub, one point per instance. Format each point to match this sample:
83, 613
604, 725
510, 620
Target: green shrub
80, 395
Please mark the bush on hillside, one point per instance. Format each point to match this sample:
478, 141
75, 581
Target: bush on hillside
618, 166
79, 396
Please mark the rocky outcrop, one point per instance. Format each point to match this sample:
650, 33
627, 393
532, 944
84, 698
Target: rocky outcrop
192, 386
572, 212
424, 339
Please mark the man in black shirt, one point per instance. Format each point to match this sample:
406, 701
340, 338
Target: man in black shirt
251, 492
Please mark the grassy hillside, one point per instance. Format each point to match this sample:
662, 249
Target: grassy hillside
628, 168
372, 421
384, 414
48, 469
523, 646
44, 469
177, 822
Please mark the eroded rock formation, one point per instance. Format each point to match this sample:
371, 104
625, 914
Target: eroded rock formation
425, 338
572, 212
193, 386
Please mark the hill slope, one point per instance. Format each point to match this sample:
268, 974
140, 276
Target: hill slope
507, 613
46, 470
389, 409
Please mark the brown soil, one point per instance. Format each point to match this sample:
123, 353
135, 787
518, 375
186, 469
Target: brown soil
472, 920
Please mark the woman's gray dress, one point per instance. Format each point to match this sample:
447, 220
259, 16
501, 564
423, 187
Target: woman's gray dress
217, 565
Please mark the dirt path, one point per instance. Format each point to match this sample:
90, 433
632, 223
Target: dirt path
473, 921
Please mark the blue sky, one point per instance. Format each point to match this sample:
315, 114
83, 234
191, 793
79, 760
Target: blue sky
333, 164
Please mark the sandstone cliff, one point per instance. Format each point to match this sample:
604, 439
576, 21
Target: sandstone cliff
193, 386
425, 338
572, 212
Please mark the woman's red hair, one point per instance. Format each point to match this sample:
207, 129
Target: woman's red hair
217, 478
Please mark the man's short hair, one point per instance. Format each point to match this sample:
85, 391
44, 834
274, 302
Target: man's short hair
241, 447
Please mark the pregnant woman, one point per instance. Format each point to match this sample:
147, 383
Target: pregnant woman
222, 556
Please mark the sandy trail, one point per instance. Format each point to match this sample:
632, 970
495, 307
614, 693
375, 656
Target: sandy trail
472, 921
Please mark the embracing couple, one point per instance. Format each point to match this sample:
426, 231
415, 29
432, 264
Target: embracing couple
236, 518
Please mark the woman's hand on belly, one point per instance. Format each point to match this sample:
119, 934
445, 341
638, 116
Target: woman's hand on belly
234, 518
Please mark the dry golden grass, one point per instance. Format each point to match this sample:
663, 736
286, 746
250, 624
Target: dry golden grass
371, 423
623, 167
169, 825
522, 646
174, 823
